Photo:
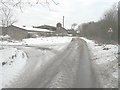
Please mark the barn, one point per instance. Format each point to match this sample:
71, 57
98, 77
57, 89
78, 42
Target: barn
22, 32
60, 31
16, 32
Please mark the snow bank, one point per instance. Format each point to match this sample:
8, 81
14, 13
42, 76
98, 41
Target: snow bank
40, 41
47, 40
4, 37
12, 61
13, 42
105, 61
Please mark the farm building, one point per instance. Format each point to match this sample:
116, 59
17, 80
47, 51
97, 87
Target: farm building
60, 31
56, 31
21, 32
16, 32
3, 30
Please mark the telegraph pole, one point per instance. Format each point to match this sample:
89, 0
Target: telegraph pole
63, 21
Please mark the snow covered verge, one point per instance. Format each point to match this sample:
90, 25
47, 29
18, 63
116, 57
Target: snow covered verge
5, 43
6, 40
39, 41
105, 61
12, 61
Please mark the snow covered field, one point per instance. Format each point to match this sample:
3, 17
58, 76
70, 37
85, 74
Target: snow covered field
47, 41
12, 61
5, 43
40, 41
105, 61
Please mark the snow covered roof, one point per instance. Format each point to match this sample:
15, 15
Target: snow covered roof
33, 29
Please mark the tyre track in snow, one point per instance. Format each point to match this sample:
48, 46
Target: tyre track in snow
68, 69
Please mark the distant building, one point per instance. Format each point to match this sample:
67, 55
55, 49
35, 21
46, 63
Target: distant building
60, 31
48, 27
16, 33
19, 33
56, 31
3, 31
59, 25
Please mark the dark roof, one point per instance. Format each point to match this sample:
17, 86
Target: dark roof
29, 29
46, 27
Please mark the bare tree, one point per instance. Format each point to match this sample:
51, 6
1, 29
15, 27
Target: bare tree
73, 26
7, 17
100, 28
21, 3
7, 7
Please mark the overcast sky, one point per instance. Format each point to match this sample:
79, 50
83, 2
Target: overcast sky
75, 11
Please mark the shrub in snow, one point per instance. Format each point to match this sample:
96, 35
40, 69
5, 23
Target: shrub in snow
3, 63
6, 37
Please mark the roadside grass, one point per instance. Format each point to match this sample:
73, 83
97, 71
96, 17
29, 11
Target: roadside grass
101, 41
104, 57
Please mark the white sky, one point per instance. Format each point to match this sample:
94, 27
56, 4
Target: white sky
75, 11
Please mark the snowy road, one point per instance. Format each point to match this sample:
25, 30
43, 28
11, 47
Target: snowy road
70, 68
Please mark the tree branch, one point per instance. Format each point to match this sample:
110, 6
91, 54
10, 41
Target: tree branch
55, 2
